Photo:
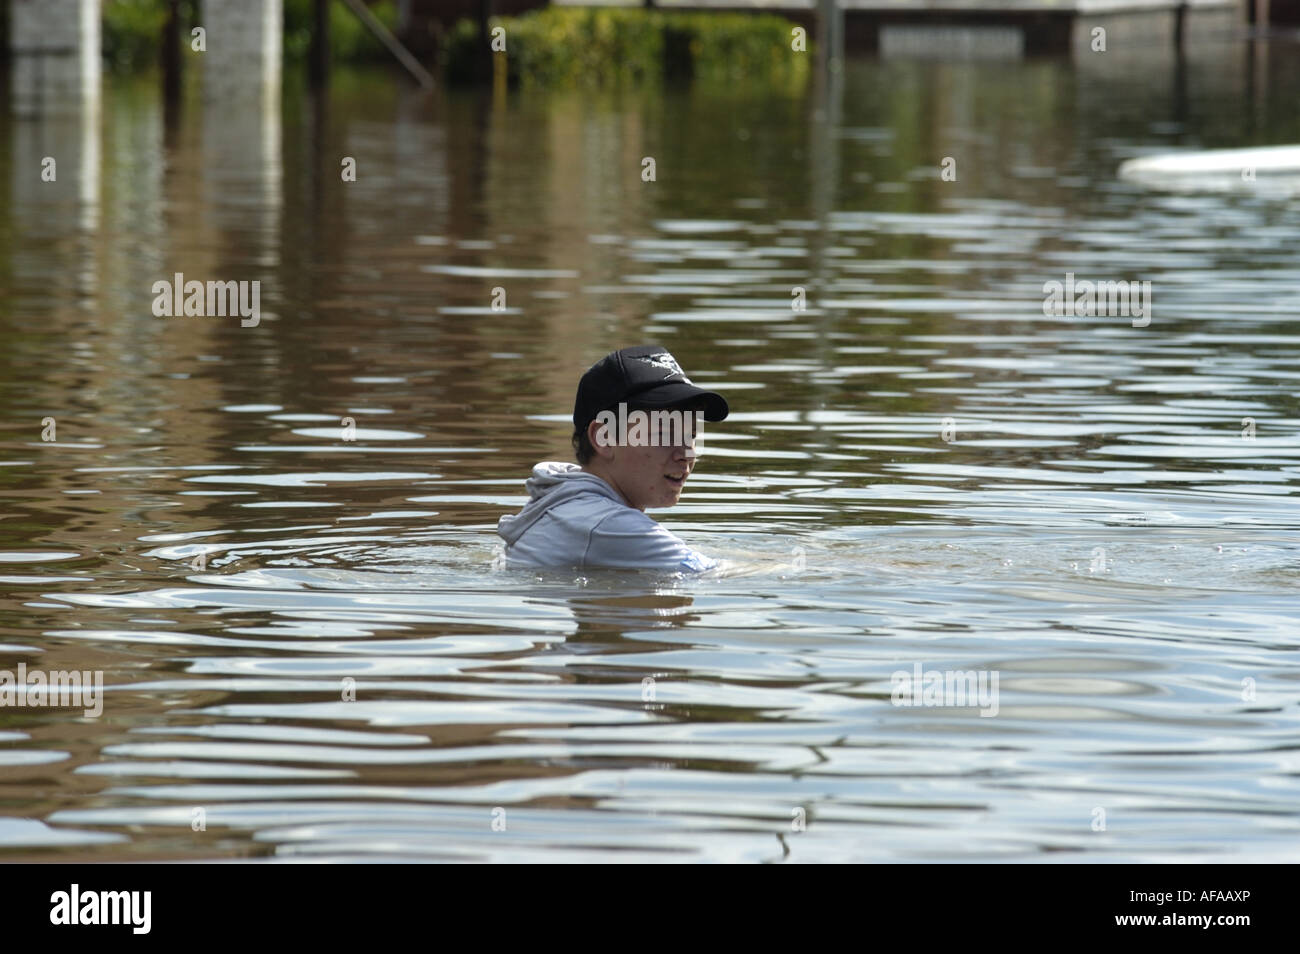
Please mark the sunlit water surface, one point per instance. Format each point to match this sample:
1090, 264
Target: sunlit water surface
309, 650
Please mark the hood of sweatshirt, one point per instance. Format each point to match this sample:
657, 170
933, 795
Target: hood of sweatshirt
553, 482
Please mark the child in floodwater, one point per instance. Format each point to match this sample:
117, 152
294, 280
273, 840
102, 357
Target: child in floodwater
635, 424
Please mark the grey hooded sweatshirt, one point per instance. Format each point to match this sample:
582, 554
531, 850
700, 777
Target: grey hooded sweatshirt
573, 518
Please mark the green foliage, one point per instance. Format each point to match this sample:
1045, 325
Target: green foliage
568, 46
350, 40
132, 32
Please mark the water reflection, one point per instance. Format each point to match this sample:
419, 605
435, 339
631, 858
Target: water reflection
54, 145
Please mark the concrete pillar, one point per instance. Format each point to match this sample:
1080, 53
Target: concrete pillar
55, 50
245, 40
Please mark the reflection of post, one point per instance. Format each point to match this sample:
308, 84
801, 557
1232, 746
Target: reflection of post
1180, 99
1256, 105
828, 96
241, 112
55, 159
828, 93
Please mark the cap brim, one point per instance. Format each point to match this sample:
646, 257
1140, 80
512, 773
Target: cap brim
676, 393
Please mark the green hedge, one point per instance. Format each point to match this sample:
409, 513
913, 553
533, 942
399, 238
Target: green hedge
132, 31
559, 46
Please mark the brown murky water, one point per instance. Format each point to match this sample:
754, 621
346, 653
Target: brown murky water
1096, 529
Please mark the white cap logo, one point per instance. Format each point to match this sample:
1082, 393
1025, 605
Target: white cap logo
665, 362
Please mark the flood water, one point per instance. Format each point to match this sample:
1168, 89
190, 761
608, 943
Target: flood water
921, 470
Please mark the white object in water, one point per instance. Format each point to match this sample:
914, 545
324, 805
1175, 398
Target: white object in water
1271, 170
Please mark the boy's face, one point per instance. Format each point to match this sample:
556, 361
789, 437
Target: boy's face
647, 473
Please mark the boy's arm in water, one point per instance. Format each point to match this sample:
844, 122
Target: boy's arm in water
633, 540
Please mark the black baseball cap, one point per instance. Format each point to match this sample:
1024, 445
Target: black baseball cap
647, 376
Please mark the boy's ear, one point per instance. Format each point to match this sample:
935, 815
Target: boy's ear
598, 434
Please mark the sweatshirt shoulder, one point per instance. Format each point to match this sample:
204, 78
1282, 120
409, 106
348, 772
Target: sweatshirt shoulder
620, 519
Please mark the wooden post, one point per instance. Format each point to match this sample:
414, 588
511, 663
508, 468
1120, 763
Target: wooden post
1257, 13
171, 53
483, 62
320, 43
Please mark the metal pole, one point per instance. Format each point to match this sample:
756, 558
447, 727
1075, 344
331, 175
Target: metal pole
830, 35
